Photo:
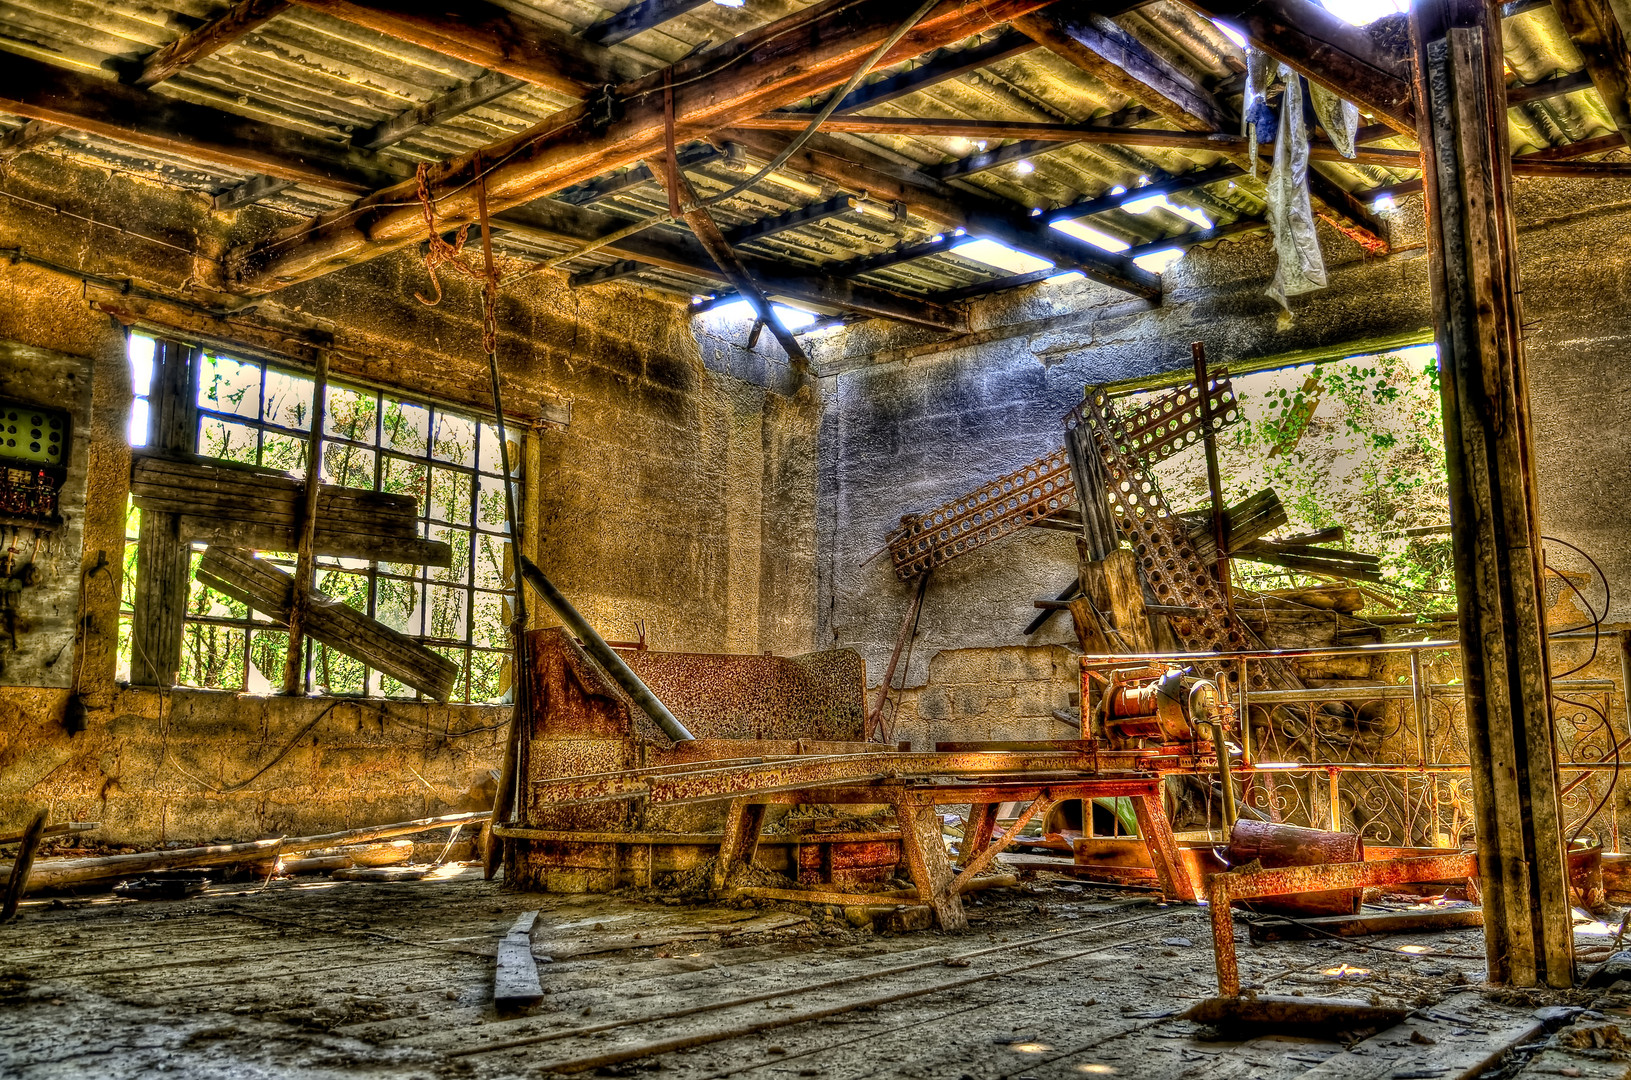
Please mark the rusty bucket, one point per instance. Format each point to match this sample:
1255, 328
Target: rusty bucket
1273, 845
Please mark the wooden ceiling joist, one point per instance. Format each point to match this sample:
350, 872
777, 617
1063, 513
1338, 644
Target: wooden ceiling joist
738, 235
637, 18
551, 220
204, 40
1095, 44
768, 68
129, 114
948, 208
443, 107
406, 124
482, 33
948, 65
942, 127
1325, 49
1597, 34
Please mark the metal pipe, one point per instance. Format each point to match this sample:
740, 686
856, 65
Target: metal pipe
1214, 480
603, 654
1220, 744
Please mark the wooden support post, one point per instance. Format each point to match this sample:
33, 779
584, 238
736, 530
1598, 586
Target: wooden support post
163, 558
740, 842
1471, 242
931, 869
294, 668
18, 880
1112, 585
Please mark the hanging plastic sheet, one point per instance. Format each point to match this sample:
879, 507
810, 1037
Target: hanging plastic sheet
1256, 115
1339, 118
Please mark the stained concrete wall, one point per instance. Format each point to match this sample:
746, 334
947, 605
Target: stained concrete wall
681, 494
911, 422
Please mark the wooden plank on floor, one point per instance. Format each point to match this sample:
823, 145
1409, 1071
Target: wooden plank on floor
1454, 1040
1367, 922
515, 978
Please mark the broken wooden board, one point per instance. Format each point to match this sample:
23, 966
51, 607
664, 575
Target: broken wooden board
381, 873
1367, 922
259, 510
1454, 1040
1284, 1013
269, 590
515, 978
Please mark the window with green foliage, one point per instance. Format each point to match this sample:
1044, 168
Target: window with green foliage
260, 414
1356, 443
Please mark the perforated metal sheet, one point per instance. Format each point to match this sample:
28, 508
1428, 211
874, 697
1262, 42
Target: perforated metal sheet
1174, 574
1173, 421
1041, 489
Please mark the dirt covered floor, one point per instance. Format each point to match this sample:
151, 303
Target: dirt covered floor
318, 978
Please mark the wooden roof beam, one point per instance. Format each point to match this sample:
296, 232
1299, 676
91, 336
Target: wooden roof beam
950, 208
937, 127
1095, 44
553, 221
202, 41
1322, 47
129, 114
769, 68
404, 125
1601, 41
637, 18
483, 33
938, 69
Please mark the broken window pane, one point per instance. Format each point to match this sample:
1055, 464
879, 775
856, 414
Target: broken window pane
258, 414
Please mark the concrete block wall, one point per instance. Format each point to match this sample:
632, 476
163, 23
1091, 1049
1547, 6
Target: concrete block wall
682, 494
1001, 694
912, 421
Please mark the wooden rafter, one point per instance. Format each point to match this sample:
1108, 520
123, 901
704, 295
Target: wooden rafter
637, 18
940, 127
455, 102
204, 40
768, 68
949, 208
938, 69
129, 114
1325, 49
551, 220
486, 34
404, 125
1601, 41
1098, 46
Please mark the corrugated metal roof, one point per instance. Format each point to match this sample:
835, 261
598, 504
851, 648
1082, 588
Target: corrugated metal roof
316, 74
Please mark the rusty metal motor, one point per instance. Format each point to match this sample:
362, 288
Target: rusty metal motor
1170, 708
